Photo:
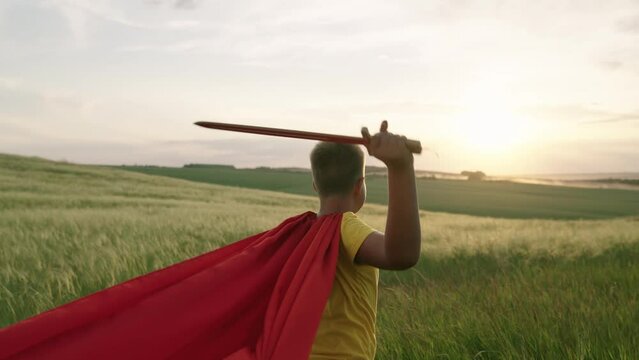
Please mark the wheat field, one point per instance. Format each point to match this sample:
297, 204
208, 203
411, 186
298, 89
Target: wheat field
484, 288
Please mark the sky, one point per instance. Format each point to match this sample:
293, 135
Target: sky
506, 87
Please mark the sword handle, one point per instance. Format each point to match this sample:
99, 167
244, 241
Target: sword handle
414, 146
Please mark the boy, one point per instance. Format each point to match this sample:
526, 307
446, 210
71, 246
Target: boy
347, 328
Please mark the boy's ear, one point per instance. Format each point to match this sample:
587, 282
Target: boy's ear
359, 185
314, 186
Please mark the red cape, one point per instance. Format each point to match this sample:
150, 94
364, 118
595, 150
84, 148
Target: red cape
259, 298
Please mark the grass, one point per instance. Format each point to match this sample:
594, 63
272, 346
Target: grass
482, 198
484, 288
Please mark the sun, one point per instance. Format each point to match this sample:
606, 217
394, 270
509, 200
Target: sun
488, 120
490, 129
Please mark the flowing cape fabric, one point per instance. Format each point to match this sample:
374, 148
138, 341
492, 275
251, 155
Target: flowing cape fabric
259, 298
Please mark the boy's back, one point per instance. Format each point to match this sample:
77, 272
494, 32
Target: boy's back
347, 328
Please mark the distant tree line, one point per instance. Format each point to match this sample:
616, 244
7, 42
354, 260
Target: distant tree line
209, 166
619, 181
474, 175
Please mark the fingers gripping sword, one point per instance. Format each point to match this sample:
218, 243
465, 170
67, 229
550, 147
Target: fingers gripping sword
413, 145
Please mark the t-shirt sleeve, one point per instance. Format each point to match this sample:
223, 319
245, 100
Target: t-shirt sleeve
354, 231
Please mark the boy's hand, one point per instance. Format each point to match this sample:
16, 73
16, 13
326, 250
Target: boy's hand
389, 148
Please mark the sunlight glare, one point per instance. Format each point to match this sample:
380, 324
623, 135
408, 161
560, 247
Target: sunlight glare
488, 122
489, 129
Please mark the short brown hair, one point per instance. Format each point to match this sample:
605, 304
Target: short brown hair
336, 167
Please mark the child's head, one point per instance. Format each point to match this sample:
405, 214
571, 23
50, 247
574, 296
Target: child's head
338, 172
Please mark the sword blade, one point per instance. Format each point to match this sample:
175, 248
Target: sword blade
413, 145
282, 132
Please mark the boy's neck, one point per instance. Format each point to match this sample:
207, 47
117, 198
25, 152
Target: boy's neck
335, 204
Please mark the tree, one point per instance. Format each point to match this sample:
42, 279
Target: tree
474, 175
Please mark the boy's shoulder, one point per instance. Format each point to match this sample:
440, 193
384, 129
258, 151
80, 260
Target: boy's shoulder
353, 232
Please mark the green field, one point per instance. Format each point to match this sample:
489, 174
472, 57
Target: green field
484, 288
488, 198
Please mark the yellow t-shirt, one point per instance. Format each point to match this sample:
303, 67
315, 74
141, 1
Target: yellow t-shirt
347, 328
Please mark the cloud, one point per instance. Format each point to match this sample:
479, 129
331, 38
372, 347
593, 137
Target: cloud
584, 156
611, 65
293, 33
186, 4
241, 151
615, 118
40, 105
178, 4
9, 83
183, 24
80, 16
191, 45
581, 114
629, 24
77, 21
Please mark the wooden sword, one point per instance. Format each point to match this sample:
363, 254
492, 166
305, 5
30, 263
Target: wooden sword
413, 145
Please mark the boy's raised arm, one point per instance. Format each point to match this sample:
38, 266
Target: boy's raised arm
399, 248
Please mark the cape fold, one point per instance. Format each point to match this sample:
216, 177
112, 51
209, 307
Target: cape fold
259, 298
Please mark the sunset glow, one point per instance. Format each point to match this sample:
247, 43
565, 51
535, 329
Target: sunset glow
489, 130
492, 85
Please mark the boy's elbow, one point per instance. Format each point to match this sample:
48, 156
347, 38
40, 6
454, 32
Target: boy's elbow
405, 262
404, 256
